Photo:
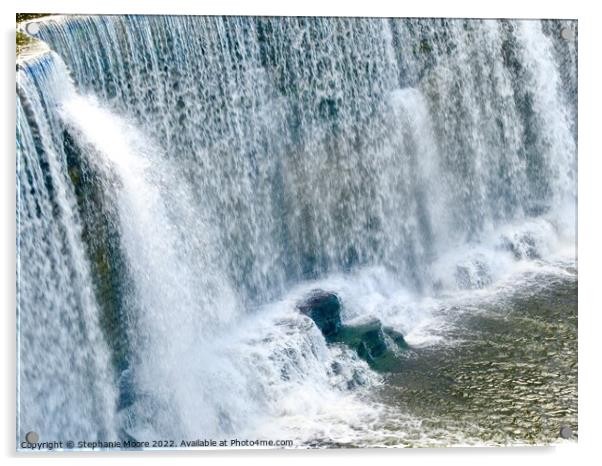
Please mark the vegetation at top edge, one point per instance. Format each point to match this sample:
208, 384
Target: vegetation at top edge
24, 40
27, 16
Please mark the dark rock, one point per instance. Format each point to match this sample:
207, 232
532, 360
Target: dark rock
397, 338
367, 338
364, 353
379, 346
325, 310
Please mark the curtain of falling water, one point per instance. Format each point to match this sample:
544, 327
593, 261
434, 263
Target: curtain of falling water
290, 130
65, 388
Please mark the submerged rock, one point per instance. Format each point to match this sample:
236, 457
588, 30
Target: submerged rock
397, 337
367, 338
325, 310
379, 346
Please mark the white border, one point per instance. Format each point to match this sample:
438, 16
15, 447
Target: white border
462, 8
590, 322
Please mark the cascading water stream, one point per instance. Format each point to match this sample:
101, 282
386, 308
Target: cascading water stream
60, 342
184, 181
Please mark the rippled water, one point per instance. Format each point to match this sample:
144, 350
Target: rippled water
505, 371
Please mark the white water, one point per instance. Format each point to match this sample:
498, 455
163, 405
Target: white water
64, 376
244, 162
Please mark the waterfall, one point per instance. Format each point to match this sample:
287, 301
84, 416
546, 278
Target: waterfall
64, 376
183, 181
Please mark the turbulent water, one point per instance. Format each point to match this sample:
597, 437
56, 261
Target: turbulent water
184, 181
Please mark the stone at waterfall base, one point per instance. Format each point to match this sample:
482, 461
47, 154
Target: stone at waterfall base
381, 347
325, 310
